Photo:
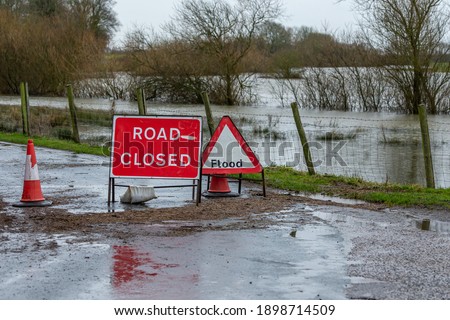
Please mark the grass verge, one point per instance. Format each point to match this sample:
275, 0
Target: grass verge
355, 188
53, 143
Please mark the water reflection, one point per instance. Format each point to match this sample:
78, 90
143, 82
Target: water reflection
234, 264
404, 163
433, 225
131, 265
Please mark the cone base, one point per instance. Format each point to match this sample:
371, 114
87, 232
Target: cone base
209, 194
32, 191
32, 204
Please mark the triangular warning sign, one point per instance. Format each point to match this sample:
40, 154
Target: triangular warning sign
228, 153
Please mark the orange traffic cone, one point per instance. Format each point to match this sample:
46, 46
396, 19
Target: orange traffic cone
219, 188
32, 193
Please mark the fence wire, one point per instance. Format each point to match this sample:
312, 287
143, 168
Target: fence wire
373, 147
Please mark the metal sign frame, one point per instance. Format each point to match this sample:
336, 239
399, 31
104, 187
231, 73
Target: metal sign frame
196, 180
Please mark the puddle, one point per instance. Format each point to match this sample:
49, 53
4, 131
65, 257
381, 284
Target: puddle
264, 264
243, 264
348, 219
39, 266
426, 225
433, 225
131, 265
332, 199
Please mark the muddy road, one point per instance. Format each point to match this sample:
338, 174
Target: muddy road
281, 247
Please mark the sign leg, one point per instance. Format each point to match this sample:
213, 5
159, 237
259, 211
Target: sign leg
109, 191
240, 184
264, 183
113, 190
199, 191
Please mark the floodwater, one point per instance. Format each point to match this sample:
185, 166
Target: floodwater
380, 147
244, 264
262, 263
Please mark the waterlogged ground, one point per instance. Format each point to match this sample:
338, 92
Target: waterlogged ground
376, 147
282, 247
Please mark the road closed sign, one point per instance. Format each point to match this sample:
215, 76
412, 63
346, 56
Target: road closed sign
228, 152
156, 147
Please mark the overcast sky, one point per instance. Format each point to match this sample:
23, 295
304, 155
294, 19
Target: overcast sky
312, 13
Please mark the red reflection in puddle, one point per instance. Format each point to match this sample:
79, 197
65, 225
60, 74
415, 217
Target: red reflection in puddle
128, 263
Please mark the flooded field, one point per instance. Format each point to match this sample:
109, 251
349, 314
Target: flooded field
381, 147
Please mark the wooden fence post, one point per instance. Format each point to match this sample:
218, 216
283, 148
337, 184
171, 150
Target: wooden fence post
25, 105
303, 139
426, 146
141, 101
209, 117
73, 114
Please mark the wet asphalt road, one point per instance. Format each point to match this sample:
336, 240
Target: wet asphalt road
339, 253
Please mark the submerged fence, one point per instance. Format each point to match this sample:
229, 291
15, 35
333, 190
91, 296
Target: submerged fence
376, 147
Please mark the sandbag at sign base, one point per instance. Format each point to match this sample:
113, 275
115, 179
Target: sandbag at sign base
138, 194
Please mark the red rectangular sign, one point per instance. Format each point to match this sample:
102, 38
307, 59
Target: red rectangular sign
156, 147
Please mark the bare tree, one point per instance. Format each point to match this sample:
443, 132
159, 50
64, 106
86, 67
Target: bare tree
274, 37
412, 33
46, 7
12, 5
97, 16
169, 70
225, 32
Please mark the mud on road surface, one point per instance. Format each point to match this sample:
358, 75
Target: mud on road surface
57, 220
5, 220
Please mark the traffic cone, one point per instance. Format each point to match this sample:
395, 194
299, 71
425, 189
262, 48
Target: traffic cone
32, 193
219, 188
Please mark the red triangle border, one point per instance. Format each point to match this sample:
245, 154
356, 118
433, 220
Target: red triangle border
226, 121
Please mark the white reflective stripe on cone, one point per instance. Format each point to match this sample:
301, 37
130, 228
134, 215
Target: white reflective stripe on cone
31, 173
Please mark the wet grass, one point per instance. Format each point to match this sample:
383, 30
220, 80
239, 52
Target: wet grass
265, 132
441, 67
399, 137
55, 124
51, 122
95, 117
356, 188
54, 144
337, 135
